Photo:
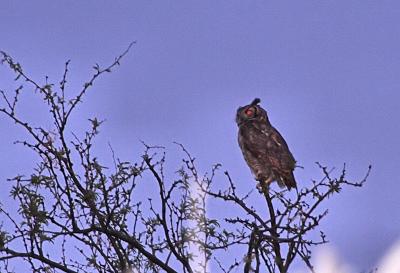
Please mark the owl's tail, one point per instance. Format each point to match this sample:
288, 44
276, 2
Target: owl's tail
289, 181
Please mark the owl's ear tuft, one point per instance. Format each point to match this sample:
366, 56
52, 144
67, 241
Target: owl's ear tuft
255, 101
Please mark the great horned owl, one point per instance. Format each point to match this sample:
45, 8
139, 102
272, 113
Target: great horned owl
263, 148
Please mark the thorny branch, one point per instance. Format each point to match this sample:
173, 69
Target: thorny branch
77, 215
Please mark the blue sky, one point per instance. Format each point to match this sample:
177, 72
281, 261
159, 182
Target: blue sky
326, 71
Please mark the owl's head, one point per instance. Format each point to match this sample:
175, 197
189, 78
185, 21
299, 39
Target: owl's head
251, 112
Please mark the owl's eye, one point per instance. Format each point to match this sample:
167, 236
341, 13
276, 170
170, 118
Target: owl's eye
249, 112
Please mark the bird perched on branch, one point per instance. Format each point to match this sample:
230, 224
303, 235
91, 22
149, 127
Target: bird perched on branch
263, 147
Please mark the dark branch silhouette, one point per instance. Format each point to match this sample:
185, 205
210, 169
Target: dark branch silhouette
77, 215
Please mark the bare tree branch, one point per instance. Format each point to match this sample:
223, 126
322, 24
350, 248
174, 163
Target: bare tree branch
75, 214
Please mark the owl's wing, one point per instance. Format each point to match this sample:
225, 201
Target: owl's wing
267, 144
278, 151
276, 154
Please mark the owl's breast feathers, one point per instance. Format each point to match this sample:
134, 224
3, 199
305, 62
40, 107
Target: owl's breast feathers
265, 150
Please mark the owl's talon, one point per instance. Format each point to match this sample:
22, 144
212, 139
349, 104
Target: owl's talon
262, 187
259, 187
